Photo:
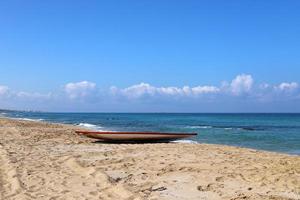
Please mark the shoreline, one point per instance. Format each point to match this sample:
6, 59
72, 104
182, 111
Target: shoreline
186, 141
42, 160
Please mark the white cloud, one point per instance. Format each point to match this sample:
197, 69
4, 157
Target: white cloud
287, 86
86, 93
171, 91
4, 90
35, 95
241, 84
264, 86
205, 89
79, 89
139, 90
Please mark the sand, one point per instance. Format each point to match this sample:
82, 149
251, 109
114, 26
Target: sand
49, 161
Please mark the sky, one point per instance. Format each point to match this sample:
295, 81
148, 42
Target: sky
150, 56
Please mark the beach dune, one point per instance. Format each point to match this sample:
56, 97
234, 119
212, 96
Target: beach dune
40, 160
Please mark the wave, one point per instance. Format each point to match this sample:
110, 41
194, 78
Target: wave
28, 119
197, 127
185, 141
91, 126
244, 128
16, 117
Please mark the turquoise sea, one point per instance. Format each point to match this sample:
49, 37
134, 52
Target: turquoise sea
272, 132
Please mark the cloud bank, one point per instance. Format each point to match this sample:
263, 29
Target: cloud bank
145, 89
239, 93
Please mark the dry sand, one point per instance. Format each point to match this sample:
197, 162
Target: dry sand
49, 161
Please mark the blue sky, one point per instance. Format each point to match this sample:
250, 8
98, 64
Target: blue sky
103, 49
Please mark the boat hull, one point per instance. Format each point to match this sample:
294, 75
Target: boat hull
135, 136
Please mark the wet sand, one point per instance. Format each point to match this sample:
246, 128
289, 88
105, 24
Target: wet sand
49, 161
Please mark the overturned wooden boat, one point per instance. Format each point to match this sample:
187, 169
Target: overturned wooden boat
135, 136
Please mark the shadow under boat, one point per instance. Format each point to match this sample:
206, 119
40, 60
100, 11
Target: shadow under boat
132, 142
134, 137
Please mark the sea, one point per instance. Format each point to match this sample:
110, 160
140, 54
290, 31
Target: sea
271, 132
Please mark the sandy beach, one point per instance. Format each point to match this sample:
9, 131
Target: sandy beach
40, 160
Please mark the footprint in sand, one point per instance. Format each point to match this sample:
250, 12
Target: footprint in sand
99, 182
11, 187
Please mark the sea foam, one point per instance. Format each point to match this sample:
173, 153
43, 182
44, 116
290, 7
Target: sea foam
91, 126
28, 119
198, 127
185, 141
